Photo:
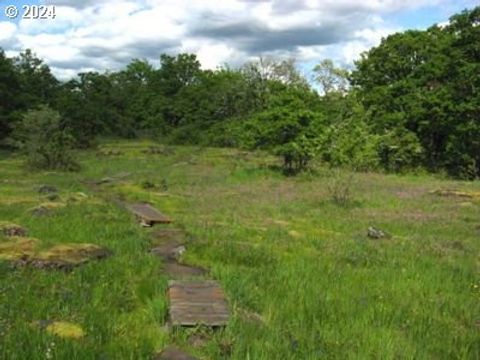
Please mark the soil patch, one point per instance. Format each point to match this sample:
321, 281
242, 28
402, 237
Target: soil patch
169, 245
178, 271
173, 353
171, 251
199, 339
173, 235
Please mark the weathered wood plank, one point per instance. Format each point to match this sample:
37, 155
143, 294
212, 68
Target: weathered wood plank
148, 214
195, 303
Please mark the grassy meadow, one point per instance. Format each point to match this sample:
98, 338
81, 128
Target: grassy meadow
303, 279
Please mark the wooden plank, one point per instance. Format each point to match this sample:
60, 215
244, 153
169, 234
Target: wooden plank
197, 302
149, 214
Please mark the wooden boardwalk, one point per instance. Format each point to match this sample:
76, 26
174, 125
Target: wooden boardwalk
198, 302
148, 215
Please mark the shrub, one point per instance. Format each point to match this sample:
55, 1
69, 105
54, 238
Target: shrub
47, 144
297, 154
340, 187
286, 132
399, 150
349, 143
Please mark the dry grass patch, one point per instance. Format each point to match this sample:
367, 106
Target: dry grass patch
18, 248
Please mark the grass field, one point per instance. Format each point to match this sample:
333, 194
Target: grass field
303, 279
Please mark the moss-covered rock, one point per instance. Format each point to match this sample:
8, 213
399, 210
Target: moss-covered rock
47, 208
66, 256
77, 197
47, 189
52, 197
457, 193
18, 249
11, 229
23, 251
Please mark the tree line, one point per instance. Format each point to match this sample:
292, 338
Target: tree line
411, 102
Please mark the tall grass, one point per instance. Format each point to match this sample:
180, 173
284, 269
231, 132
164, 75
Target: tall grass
279, 246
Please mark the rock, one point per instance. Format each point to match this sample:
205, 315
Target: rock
159, 150
47, 208
374, 233
23, 251
52, 197
456, 193
105, 180
18, 249
153, 150
144, 223
10, 229
68, 256
110, 152
178, 252
147, 185
47, 189
77, 197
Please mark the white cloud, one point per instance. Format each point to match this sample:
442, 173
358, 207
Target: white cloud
7, 32
107, 34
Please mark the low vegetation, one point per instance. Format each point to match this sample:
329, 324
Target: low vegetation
304, 277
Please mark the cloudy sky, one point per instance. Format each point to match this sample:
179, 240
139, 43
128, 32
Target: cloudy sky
107, 34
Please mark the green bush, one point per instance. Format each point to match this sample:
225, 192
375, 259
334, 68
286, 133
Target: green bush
400, 150
298, 154
349, 143
45, 141
286, 132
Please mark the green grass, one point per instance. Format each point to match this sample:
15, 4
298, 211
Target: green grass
279, 246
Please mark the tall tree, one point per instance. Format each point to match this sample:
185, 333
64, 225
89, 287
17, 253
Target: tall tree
10, 92
38, 84
330, 78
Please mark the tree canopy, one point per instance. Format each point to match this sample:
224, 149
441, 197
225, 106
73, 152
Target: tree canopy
412, 101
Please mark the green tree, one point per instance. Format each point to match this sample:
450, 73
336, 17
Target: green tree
424, 84
9, 94
38, 84
331, 78
45, 140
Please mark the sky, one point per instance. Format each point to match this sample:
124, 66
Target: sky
100, 35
